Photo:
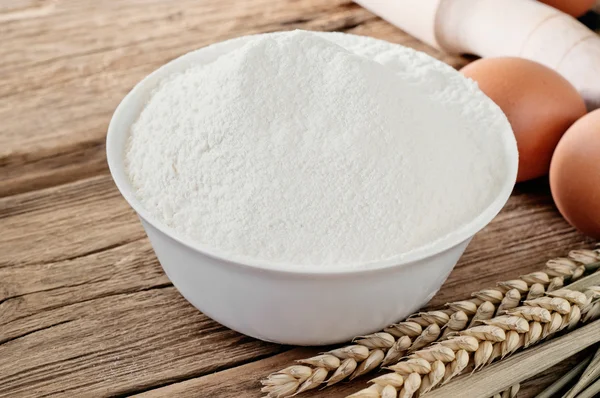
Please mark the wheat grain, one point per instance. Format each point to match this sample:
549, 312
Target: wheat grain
511, 300
429, 335
510, 344
457, 366
487, 332
286, 382
410, 329
313, 381
376, 340
356, 352
496, 352
494, 296
373, 360
438, 369
283, 390
538, 277
458, 321
488, 343
345, 369
468, 307
556, 304
511, 392
518, 284
397, 351
584, 256
575, 297
594, 292
417, 319
279, 379
418, 332
536, 290
570, 321
467, 343
438, 317
560, 267
435, 353
482, 354
389, 392
371, 392
411, 385
579, 271
484, 312
593, 311
534, 334
531, 313
553, 326
298, 371
590, 298
509, 322
393, 379
412, 365
327, 361
556, 283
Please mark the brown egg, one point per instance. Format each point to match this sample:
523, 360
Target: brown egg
539, 103
575, 8
575, 175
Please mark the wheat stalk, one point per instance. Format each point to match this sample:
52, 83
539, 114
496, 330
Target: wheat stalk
422, 329
481, 345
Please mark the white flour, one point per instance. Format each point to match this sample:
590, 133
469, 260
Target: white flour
305, 149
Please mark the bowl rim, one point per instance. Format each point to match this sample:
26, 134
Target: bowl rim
136, 98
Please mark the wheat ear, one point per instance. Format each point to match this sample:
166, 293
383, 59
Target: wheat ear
509, 393
498, 337
422, 329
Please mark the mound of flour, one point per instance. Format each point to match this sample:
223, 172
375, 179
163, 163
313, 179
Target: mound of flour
303, 149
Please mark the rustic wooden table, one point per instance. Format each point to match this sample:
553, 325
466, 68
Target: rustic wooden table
85, 309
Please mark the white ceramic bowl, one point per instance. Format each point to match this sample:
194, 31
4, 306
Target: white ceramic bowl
287, 306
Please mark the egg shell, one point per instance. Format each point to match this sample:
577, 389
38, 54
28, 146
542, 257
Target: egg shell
539, 103
575, 175
575, 8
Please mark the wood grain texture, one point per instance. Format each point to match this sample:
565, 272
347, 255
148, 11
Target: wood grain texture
120, 343
85, 309
97, 293
45, 221
241, 381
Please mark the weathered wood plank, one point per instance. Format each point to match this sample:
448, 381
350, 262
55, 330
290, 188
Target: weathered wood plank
65, 222
93, 286
243, 380
24, 174
118, 344
27, 291
85, 309
105, 322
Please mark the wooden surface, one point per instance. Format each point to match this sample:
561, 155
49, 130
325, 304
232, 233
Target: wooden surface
85, 309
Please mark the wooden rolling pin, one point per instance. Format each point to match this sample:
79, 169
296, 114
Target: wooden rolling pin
492, 28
